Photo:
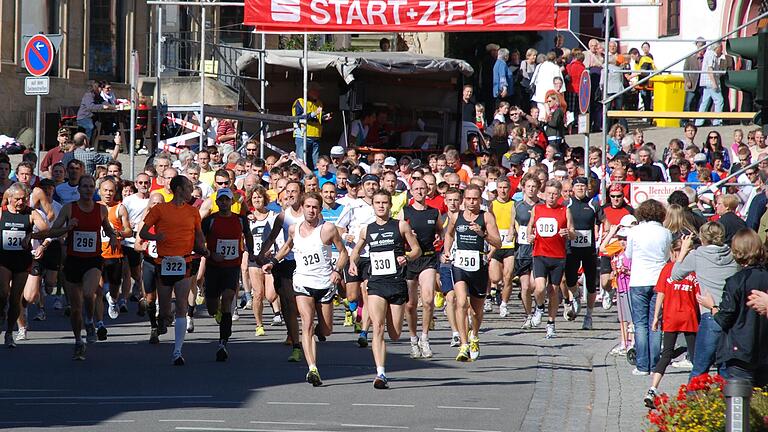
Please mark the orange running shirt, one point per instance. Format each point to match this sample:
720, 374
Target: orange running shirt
117, 225
178, 224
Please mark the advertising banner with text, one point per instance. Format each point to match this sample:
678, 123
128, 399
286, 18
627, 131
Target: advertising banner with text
362, 16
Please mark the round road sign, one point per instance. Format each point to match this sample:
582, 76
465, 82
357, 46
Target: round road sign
38, 55
585, 91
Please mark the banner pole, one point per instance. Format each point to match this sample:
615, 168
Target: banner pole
306, 103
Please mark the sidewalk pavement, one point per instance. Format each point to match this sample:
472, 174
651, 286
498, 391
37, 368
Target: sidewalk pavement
580, 387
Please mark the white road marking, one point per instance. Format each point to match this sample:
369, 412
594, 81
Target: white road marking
284, 423
98, 421
463, 430
469, 408
374, 426
20, 422
215, 429
191, 421
119, 397
383, 405
299, 403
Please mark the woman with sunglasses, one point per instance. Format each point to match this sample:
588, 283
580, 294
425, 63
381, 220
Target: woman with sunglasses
713, 146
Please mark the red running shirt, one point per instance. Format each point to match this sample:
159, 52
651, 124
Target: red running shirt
680, 310
85, 240
547, 223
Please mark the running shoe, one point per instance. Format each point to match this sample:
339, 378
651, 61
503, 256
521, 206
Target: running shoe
320, 337
295, 356
681, 364
217, 316
474, 348
122, 305
503, 311
101, 332
488, 305
22, 334
235, 315
154, 337
455, 340
439, 300
90, 333
618, 350
463, 354
380, 382
348, 319
638, 372
415, 350
178, 359
358, 328
40, 315
527, 325
650, 399
249, 304
190, 324
142, 309
608, 299
536, 317
162, 326
260, 331
9, 342
568, 313
79, 353
313, 377
426, 350
142, 152
222, 354
113, 311
57, 304
199, 298
551, 334
587, 324
277, 320
362, 340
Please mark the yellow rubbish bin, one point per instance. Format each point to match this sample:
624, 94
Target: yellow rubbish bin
668, 95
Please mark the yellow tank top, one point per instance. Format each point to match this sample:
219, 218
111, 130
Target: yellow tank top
236, 208
503, 214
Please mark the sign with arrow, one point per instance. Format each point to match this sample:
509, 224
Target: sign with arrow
38, 55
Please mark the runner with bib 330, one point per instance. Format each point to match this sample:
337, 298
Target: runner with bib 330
387, 288
471, 229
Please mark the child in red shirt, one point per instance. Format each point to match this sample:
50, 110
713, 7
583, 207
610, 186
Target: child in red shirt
677, 299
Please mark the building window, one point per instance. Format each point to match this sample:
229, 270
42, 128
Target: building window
102, 46
232, 30
8, 31
673, 18
75, 34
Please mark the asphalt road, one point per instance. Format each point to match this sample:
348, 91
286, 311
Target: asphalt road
126, 384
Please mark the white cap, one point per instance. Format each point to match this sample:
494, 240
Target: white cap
337, 151
390, 161
628, 220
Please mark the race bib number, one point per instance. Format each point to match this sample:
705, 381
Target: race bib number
334, 258
229, 249
311, 259
173, 266
84, 241
152, 249
12, 240
506, 239
522, 235
547, 227
104, 237
257, 245
383, 263
468, 260
583, 239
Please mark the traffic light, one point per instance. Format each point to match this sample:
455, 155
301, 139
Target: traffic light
755, 80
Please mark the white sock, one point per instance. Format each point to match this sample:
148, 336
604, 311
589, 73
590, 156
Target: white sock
455, 333
503, 303
414, 340
589, 312
425, 337
179, 330
380, 371
312, 366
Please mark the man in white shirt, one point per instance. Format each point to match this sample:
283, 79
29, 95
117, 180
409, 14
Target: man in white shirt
710, 83
358, 130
